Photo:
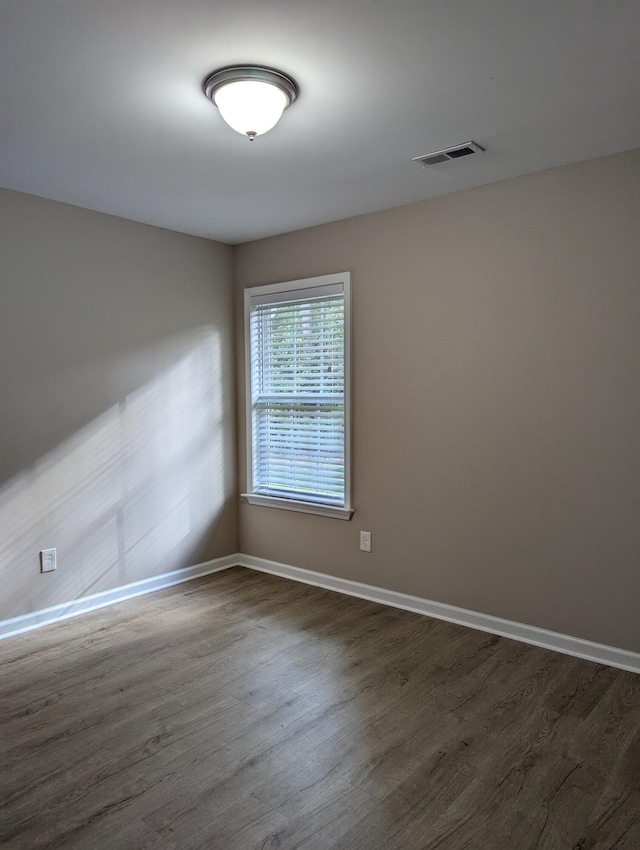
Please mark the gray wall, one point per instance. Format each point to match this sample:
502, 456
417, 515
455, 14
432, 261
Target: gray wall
496, 353
117, 422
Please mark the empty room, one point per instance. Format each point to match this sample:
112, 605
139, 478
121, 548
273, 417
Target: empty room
319, 417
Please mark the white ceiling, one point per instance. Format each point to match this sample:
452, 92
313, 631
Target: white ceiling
101, 103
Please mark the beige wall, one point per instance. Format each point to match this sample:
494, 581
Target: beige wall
496, 346
496, 353
117, 423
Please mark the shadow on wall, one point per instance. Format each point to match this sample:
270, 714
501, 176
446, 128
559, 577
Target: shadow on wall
132, 494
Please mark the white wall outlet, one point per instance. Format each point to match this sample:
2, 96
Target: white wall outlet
48, 561
365, 541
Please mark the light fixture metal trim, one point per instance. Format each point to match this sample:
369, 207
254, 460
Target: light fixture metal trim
256, 73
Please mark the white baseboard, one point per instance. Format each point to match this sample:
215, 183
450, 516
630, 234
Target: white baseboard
600, 653
107, 597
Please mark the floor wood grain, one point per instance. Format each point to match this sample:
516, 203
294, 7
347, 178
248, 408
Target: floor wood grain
245, 711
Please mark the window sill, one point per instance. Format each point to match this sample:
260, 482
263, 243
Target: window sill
301, 507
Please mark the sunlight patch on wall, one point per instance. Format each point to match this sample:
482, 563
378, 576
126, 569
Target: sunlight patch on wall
129, 496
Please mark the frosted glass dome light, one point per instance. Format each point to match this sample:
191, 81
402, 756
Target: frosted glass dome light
250, 99
250, 107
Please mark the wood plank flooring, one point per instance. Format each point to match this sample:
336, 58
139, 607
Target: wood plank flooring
244, 711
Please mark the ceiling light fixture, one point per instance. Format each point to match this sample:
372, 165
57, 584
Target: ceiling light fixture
250, 99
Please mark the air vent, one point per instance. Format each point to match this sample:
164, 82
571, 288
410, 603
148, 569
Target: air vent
445, 155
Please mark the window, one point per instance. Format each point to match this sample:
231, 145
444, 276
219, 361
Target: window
298, 417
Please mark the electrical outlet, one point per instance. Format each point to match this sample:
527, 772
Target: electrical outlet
365, 541
48, 561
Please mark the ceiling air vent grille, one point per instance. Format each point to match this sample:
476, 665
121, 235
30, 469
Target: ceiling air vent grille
445, 155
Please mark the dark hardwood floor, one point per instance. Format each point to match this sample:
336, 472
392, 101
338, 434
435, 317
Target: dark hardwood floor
243, 711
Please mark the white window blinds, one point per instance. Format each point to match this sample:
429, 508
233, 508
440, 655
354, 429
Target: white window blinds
297, 394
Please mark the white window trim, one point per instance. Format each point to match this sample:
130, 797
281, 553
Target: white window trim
308, 507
